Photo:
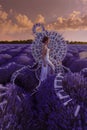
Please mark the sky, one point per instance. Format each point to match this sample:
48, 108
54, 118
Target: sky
68, 17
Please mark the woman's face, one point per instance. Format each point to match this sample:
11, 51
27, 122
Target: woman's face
47, 42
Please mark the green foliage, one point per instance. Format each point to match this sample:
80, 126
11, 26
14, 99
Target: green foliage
30, 41
77, 42
17, 42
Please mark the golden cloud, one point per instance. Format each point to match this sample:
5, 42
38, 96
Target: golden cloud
22, 24
40, 19
60, 20
7, 26
75, 21
24, 21
3, 14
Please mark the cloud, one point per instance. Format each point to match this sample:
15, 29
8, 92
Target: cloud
3, 14
40, 19
24, 21
8, 27
12, 24
16, 25
75, 21
60, 19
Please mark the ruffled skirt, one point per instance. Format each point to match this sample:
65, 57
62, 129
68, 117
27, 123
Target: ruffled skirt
44, 69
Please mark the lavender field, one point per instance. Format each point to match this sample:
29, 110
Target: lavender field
44, 110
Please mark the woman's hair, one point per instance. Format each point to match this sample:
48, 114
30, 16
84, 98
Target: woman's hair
45, 38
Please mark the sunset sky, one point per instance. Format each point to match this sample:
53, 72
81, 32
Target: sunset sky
69, 17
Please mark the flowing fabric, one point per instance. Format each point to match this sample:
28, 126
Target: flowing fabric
44, 72
44, 69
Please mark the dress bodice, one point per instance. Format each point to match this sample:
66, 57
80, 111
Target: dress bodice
47, 54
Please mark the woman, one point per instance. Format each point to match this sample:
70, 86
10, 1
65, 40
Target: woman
45, 59
45, 62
